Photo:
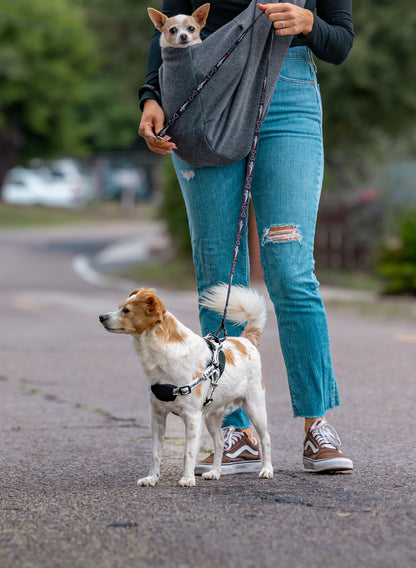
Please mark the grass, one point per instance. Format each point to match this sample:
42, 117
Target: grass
176, 273
179, 273
18, 217
383, 308
350, 279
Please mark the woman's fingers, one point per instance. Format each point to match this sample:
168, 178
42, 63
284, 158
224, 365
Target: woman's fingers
288, 19
151, 123
158, 145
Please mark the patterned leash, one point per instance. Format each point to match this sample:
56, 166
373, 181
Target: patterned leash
247, 187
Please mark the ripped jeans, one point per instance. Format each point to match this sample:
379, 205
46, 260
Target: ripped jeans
286, 190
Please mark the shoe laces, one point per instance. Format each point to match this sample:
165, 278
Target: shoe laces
325, 434
232, 436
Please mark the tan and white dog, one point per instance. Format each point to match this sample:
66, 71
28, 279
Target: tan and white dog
180, 30
170, 353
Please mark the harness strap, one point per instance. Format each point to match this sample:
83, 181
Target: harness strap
168, 392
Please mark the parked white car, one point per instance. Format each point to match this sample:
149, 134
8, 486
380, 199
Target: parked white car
24, 187
59, 186
66, 172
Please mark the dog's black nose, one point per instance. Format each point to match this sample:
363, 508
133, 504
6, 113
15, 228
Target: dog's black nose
103, 318
183, 37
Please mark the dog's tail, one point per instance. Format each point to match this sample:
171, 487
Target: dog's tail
245, 305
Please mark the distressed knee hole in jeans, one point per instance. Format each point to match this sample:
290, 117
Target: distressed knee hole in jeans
281, 234
188, 175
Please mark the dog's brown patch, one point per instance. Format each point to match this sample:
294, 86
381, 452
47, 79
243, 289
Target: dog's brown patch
239, 346
252, 334
168, 331
229, 357
198, 390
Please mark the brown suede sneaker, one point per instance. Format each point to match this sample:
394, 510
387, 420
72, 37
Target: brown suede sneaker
240, 454
321, 449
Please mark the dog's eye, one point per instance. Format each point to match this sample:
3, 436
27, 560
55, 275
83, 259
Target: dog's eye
173, 30
125, 311
191, 29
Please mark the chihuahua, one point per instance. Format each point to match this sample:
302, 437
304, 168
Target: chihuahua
180, 30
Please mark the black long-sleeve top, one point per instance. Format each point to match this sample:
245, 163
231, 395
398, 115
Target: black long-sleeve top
330, 40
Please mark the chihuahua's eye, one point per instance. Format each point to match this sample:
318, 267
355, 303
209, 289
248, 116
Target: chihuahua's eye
191, 29
125, 311
173, 30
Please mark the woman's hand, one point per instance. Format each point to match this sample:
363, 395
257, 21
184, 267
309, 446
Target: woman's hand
288, 19
152, 123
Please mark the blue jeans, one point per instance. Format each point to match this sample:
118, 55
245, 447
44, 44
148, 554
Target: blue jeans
286, 189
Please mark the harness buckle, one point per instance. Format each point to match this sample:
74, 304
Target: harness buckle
185, 390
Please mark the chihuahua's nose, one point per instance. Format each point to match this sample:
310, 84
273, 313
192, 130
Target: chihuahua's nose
183, 37
103, 318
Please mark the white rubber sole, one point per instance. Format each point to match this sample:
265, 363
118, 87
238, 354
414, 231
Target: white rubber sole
334, 464
230, 468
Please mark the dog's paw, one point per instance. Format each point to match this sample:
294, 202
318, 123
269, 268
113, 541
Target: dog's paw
266, 472
187, 482
149, 481
211, 474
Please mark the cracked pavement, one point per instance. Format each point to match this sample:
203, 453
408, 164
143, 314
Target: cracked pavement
75, 436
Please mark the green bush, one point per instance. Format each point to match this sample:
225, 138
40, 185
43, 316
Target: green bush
172, 210
397, 264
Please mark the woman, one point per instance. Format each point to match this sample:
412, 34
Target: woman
285, 192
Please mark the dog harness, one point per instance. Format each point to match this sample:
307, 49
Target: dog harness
213, 372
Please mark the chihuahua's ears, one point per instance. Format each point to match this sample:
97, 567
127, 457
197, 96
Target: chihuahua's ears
157, 18
201, 14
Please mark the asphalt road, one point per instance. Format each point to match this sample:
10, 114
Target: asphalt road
75, 436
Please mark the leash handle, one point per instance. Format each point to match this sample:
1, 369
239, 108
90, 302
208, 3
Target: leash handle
247, 187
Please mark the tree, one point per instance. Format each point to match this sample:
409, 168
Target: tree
122, 33
46, 57
371, 98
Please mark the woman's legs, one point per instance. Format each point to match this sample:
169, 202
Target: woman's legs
286, 190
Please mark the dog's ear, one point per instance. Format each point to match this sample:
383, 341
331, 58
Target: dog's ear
157, 18
201, 14
152, 305
134, 292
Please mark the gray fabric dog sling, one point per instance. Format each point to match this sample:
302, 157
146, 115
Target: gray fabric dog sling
217, 128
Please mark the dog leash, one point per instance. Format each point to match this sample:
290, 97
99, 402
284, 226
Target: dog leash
247, 188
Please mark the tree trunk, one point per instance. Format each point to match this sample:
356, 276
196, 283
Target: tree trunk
11, 142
